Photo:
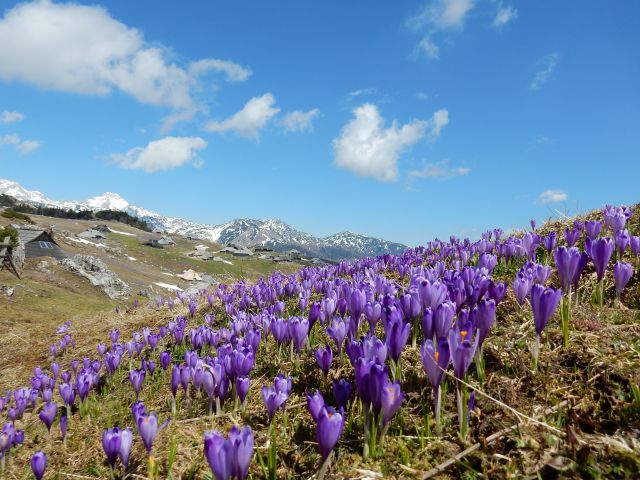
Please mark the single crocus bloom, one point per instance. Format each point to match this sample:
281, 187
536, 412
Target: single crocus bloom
341, 392
324, 357
392, 397
544, 302
622, 273
330, 427
601, 252
38, 464
315, 403
48, 414
111, 445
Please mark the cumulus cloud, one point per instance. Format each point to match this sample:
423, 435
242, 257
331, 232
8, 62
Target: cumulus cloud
553, 196
437, 16
164, 154
547, 64
7, 117
442, 14
24, 147
368, 149
250, 120
81, 49
504, 15
440, 170
233, 72
299, 121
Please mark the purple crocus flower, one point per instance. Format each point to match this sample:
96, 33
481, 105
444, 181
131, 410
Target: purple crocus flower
435, 361
397, 336
324, 357
601, 252
63, 427
242, 387
634, 245
48, 414
592, 228
315, 403
428, 324
298, 330
443, 318
497, 291
622, 273
38, 464
544, 302
148, 429
136, 377
567, 260
165, 360
341, 392
330, 427
242, 448
273, 399
622, 240
521, 287
571, 236
484, 314
391, 400
126, 441
549, 242
218, 453
111, 445
337, 332
229, 458
462, 348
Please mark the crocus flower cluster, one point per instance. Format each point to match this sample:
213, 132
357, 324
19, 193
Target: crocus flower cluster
443, 294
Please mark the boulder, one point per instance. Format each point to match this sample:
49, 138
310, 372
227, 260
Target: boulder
94, 270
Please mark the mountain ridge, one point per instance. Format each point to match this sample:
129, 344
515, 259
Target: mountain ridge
245, 232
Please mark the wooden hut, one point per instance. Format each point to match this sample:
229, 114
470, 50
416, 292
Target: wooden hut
40, 243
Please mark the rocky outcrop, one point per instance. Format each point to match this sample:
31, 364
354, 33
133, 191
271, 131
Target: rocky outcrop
95, 270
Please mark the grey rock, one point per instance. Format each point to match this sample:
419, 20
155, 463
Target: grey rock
94, 270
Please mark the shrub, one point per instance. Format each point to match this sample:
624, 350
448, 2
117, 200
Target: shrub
10, 213
12, 233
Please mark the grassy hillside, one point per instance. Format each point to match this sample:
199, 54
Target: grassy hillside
576, 416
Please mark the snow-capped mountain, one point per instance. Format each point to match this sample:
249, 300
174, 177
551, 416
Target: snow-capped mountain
245, 232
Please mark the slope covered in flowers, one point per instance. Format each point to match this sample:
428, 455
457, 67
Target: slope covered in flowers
523, 349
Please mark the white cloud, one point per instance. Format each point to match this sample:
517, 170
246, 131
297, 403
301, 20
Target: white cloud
247, 122
7, 117
368, 149
12, 139
81, 49
437, 16
428, 48
504, 15
440, 170
439, 120
24, 147
164, 154
362, 91
28, 146
232, 71
548, 64
553, 196
299, 121
423, 96
442, 14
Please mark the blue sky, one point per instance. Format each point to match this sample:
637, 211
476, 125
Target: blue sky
402, 120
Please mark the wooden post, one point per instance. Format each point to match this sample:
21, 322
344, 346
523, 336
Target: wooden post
5, 255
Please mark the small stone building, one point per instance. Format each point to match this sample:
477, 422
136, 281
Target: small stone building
40, 243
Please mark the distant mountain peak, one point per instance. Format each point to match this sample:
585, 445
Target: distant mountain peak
107, 201
245, 232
